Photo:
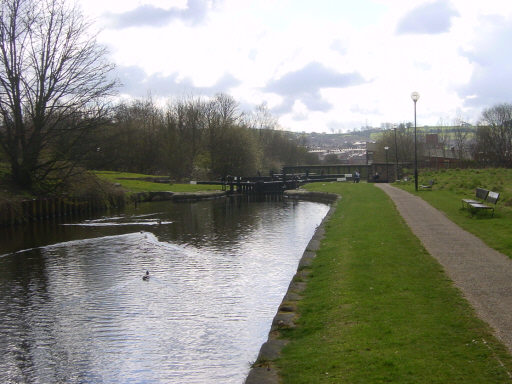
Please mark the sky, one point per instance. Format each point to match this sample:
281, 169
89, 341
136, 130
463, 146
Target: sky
318, 66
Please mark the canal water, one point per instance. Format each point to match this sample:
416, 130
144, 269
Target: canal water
75, 309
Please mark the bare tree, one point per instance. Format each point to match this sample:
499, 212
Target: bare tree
494, 137
54, 83
138, 125
182, 138
221, 113
461, 137
404, 148
262, 118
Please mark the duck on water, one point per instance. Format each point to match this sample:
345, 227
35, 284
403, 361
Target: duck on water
146, 276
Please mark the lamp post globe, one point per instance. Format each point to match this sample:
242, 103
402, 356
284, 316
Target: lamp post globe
415, 96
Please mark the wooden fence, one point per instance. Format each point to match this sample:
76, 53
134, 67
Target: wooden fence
12, 213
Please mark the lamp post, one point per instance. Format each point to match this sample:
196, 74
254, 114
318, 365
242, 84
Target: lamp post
387, 168
396, 157
415, 96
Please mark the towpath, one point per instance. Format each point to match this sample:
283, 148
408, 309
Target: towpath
482, 274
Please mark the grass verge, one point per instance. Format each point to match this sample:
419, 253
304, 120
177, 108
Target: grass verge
453, 185
147, 186
378, 308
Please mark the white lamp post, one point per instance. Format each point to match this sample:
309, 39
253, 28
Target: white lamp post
387, 168
415, 96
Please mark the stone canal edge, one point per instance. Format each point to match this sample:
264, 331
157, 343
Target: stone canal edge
263, 371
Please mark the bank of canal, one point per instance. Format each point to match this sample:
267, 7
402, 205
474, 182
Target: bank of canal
376, 307
263, 370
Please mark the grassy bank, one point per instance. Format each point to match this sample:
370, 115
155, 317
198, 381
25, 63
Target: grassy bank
378, 308
96, 190
127, 181
453, 185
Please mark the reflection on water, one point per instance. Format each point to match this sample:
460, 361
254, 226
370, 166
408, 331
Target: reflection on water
74, 307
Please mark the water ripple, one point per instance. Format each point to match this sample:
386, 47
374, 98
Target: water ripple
79, 312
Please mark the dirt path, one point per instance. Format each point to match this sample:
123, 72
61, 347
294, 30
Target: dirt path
483, 274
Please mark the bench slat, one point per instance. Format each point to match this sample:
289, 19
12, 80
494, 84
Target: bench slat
481, 193
485, 196
429, 185
492, 197
480, 206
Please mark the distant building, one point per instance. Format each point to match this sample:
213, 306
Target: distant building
432, 139
436, 158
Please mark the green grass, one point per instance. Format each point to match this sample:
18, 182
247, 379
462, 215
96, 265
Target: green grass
379, 309
147, 186
453, 185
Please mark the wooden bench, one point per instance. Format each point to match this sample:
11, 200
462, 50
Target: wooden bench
484, 196
428, 186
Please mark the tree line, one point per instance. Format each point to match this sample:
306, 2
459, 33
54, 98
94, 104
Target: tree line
57, 117
488, 144
194, 138
493, 144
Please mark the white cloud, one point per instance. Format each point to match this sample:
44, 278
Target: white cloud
138, 84
305, 85
318, 65
149, 15
492, 75
429, 18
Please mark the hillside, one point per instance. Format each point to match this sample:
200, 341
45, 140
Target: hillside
314, 140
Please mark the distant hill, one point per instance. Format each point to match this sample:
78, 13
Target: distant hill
313, 140
336, 140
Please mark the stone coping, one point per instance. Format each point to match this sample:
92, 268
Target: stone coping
299, 194
263, 370
323, 197
177, 196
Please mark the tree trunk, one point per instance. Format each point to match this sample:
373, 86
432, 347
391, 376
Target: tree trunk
21, 175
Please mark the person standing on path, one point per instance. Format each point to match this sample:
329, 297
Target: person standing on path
357, 176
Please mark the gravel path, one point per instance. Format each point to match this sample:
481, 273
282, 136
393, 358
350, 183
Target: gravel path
483, 274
